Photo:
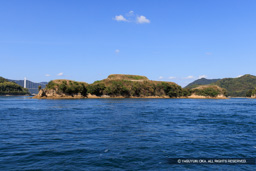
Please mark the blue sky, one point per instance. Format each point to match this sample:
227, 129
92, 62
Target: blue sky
171, 40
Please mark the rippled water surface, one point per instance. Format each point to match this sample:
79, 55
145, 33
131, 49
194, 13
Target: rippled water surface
124, 134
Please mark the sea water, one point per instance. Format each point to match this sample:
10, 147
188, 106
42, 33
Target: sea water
124, 134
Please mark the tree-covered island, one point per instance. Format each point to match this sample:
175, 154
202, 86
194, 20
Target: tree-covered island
123, 86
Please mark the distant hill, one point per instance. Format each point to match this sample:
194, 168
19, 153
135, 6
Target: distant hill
31, 86
10, 88
236, 87
202, 81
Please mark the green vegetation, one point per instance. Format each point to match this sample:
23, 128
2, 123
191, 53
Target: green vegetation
97, 88
236, 87
211, 90
11, 88
39, 88
126, 77
67, 87
186, 92
116, 87
2, 80
251, 93
129, 88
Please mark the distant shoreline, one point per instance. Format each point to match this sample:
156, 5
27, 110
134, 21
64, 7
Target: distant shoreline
13, 95
120, 97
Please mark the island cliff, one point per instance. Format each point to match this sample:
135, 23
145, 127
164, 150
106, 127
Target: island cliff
119, 86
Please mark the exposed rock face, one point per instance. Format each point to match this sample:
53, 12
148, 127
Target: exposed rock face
53, 94
194, 96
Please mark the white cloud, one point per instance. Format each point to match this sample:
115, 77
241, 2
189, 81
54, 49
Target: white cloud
190, 77
120, 18
170, 78
239, 76
60, 74
47, 75
160, 78
117, 51
142, 19
202, 76
131, 12
132, 17
208, 53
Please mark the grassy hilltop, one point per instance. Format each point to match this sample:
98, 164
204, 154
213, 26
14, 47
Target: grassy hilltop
11, 88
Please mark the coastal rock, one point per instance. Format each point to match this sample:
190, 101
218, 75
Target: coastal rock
253, 96
53, 94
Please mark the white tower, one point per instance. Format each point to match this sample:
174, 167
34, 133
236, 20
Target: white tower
25, 82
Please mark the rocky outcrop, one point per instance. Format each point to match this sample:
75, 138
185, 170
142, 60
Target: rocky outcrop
194, 96
53, 94
253, 96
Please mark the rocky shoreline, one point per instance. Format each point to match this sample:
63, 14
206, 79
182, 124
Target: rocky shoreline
89, 96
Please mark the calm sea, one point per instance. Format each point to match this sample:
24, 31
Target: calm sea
124, 134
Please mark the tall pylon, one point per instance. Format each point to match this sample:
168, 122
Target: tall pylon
25, 82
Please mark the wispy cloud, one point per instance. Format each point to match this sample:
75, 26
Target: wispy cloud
189, 77
60, 74
202, 76
132, 17
142, 19
208, 53
120, 18
171, 78
161, 77
239, 76
131, 13
47, 75
117, 51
